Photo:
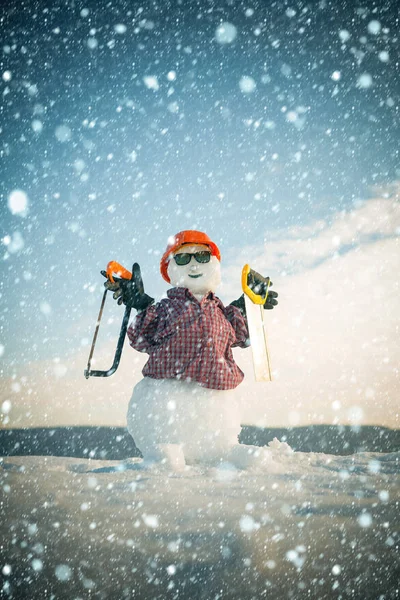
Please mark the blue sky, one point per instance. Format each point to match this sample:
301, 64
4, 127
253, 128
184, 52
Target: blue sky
126, 122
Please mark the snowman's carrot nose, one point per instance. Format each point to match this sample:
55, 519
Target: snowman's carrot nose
114, 268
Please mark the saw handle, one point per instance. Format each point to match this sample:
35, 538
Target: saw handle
255, 298
114, 268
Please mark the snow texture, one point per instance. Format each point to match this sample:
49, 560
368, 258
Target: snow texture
205, 423
296, 525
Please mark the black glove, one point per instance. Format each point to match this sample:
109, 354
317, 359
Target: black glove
271, 300
130, 291
239, 303
259, 286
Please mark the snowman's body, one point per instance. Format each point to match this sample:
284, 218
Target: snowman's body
204, 423
188, 397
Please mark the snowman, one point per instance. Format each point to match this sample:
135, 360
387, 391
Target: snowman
185, 410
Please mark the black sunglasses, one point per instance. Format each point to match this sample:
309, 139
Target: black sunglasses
184, 258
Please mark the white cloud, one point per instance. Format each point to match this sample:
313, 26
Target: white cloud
334, 336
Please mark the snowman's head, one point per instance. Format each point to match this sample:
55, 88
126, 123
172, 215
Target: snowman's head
194, 266
192, 260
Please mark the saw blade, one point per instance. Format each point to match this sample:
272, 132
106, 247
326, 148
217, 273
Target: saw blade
258, 340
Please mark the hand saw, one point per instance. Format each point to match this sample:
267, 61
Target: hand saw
113, 268
256, 323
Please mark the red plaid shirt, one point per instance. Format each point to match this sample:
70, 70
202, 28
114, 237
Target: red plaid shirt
190, 340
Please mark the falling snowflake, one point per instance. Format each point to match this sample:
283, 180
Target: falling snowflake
63, 572
151, 82
247, 84
92, 43
120, 28
18, 203
344, 35
247, 524
63, 133
45, 308
150, 521
37, 126
6, 407
374, 27
225, 33
365, 81
365, 520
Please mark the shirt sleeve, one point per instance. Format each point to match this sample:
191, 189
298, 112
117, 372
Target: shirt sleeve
239, 324
143, 329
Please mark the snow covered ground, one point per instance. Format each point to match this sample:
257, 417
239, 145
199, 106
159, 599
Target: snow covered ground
298, 525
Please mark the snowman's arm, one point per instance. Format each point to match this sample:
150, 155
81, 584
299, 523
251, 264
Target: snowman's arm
239, 324
142, 332
240, 305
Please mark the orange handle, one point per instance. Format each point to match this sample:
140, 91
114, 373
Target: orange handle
114, 268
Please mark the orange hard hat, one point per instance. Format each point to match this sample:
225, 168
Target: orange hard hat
189, 236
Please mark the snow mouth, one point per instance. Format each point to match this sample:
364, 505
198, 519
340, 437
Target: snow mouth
196, 276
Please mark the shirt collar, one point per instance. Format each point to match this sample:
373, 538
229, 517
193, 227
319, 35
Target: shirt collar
180, 293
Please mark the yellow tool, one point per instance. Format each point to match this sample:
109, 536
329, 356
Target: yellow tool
256, 322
